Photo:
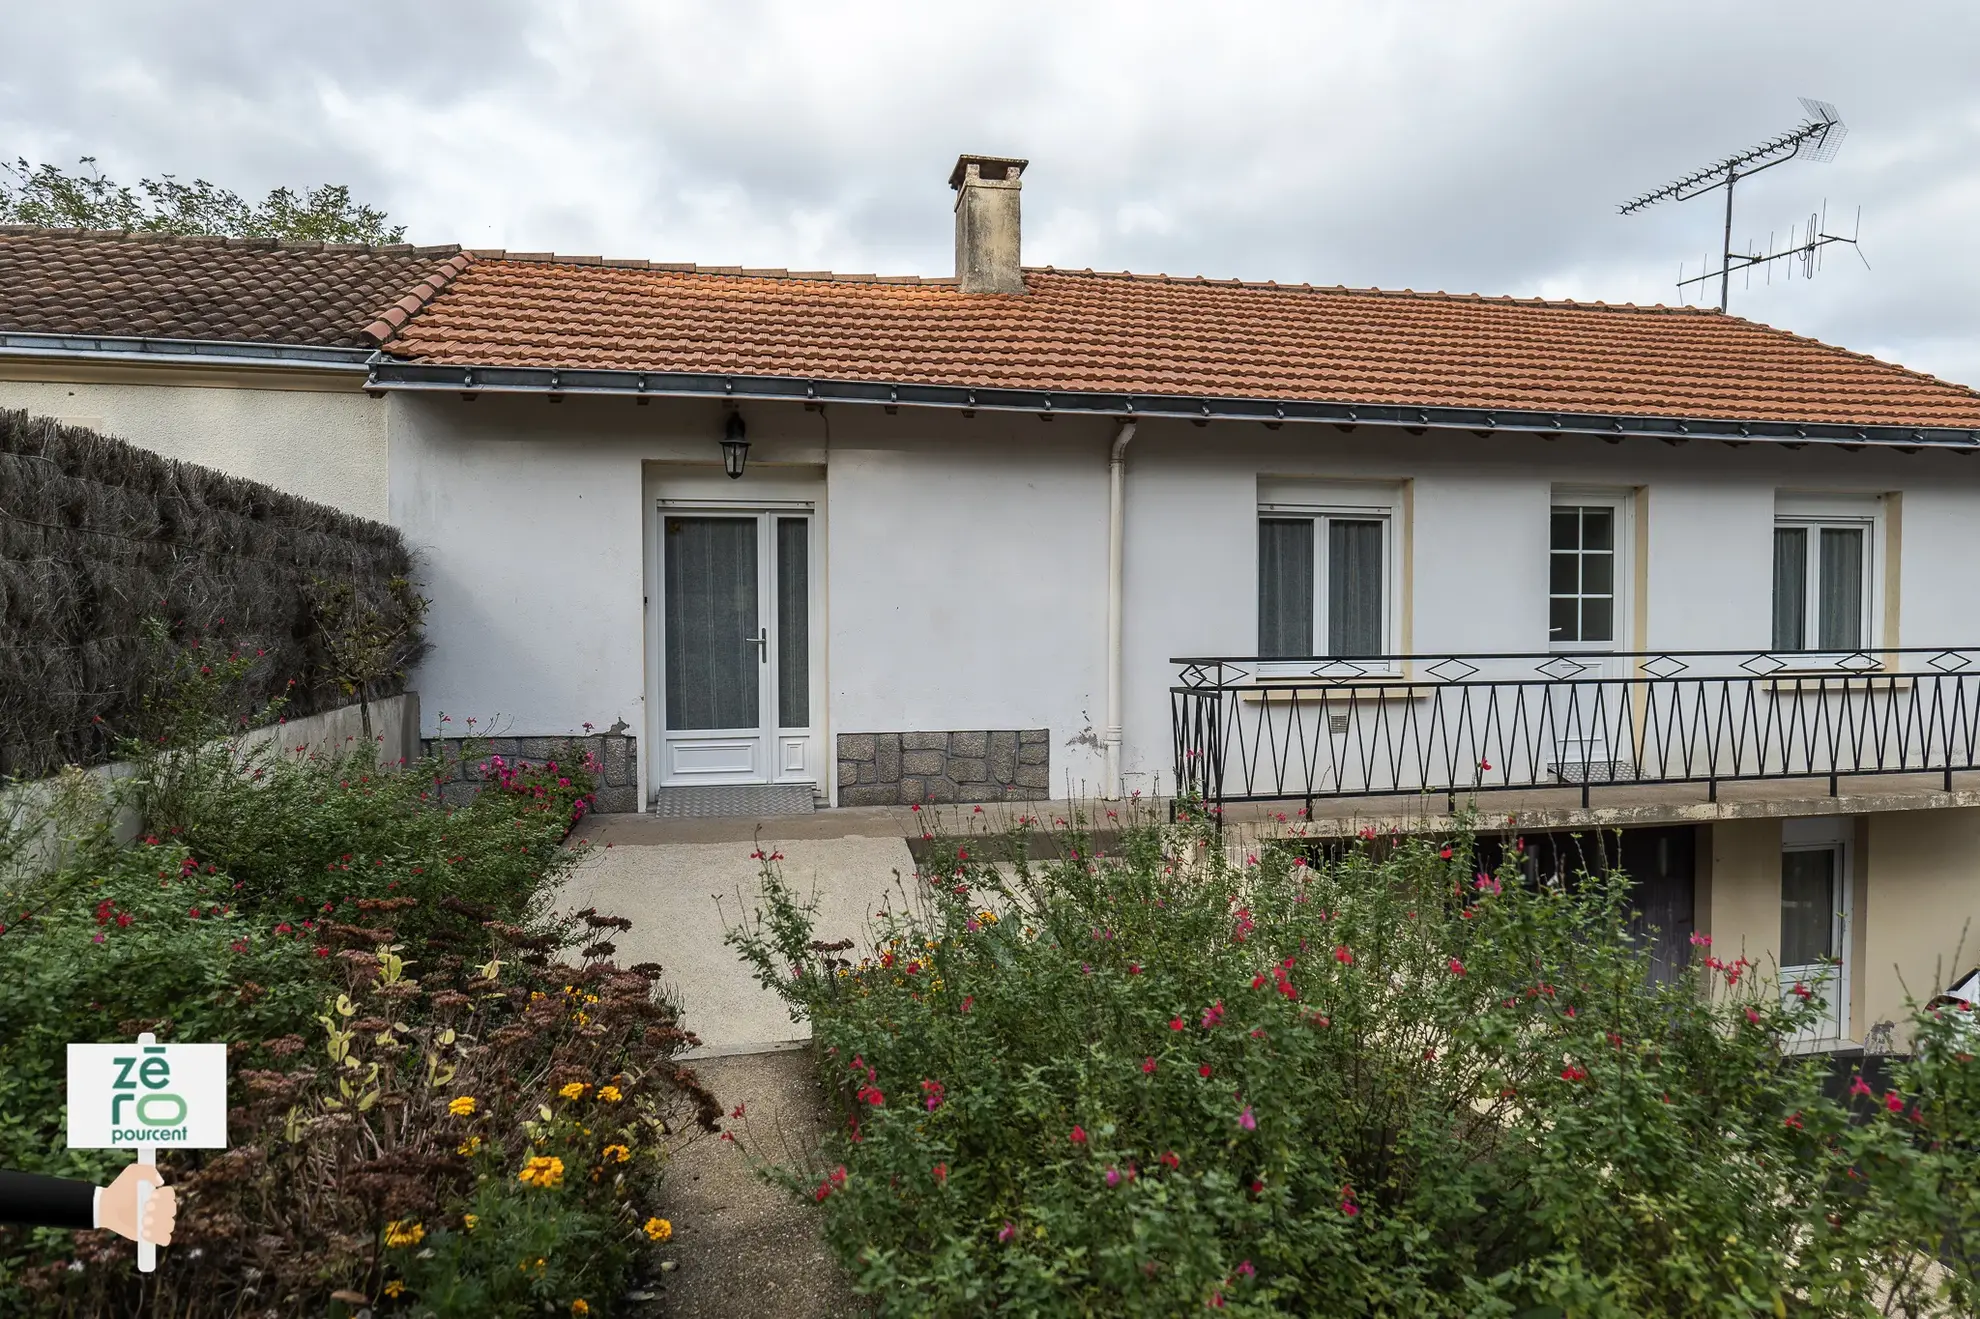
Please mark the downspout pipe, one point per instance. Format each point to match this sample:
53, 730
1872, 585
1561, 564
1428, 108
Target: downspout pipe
1116, 545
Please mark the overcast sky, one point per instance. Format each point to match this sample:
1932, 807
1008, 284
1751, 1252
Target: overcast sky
1478, 146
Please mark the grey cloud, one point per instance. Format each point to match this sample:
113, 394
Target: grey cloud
1434, 145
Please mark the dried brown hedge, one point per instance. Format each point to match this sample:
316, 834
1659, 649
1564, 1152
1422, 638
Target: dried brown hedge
98, 536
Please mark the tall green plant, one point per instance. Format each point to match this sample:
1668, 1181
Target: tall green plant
1157, 1080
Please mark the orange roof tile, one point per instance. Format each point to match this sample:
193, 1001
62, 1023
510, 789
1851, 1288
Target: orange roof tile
1078, 330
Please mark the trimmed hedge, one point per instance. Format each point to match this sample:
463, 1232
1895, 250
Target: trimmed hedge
99, 538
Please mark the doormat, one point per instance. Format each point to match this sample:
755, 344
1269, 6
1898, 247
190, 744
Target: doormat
733, 799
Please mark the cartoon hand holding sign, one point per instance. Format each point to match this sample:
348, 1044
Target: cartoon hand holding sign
121, 1096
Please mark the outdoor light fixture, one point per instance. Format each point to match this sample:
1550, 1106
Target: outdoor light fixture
735, 449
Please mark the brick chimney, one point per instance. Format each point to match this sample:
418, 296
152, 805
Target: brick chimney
987, 223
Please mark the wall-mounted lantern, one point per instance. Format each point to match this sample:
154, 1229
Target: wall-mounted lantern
735, 449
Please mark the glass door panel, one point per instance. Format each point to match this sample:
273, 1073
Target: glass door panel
714, 640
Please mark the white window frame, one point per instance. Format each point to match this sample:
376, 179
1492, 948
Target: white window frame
1838, 836
1863, 513
1324, 501
1623, 504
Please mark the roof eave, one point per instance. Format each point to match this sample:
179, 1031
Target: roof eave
127, 349
416, 377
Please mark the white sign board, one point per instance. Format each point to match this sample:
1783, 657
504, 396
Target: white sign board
145, 1095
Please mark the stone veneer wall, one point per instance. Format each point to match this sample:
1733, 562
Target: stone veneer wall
901, 769
618, 786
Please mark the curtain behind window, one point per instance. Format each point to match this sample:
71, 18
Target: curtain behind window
1354, 587
1285, 587
1841, 586
710, 572
1790, 587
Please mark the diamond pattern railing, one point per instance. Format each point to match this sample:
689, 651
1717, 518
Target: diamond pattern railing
1251, 729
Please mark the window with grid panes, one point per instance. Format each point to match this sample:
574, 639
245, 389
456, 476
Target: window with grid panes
1581, 575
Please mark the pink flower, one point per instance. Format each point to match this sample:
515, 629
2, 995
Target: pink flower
1801, 990
97, 937
1858, 1087
1752, 1017
1893, 1102
1246, 1271
1009, 1229
1213, 1014
1113, 1176
1701, 940
1246, 1122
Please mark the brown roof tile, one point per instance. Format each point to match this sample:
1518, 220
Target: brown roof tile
68, 281
1078, 330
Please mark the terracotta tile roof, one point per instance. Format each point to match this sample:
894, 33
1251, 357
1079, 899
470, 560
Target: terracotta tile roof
1078, 330
66, 281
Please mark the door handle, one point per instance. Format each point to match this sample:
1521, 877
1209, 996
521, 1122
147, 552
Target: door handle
762, 643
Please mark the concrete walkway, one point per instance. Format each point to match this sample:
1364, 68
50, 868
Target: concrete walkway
685, 883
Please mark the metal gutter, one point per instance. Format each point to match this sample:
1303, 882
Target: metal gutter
416, 377
129, 349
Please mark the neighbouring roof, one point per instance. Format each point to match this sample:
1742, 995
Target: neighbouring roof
161, 286
1083, 331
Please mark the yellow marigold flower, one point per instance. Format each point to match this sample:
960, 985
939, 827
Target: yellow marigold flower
545, 1171
583, 1020
403, 1234
616, 1153
574, 1090
461, 1105
470, 1221
591, 998
580, 1307
659, 1229
535, 994
470, 1147
610, 1094
394, 1287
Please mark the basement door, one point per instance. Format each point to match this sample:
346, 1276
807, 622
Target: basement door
736, 646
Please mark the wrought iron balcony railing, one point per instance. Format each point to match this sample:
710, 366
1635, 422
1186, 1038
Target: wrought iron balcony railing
1283, 730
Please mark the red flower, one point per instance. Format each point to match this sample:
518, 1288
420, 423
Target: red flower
941, 1171
1171, 1160
1444, 855
1573, 1073
1893, 1102
1457, 967
1858, 1087
1078, 1136
1343, 955
1258, 982
1793, 1120
1801, 990
1485, 764
821, 1193
1175, 1023
1203, 1070
1147, 1066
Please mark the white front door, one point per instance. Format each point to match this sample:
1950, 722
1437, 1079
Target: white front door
736, 646
1815, 901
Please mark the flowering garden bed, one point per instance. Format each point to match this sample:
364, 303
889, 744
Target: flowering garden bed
1155, 1081
446, 1100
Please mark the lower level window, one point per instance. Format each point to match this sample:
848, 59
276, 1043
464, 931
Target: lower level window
1322, 584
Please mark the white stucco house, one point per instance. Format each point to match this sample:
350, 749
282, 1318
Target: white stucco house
1019, 532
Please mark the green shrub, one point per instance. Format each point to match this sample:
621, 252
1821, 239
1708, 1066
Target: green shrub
1154, 1081
372, 956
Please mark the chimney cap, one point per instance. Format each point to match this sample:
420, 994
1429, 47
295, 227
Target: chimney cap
1002, 169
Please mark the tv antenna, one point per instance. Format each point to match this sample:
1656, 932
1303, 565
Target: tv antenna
1817, 138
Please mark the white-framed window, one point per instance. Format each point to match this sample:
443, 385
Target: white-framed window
1583, 555
1825, 549
1326, 570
